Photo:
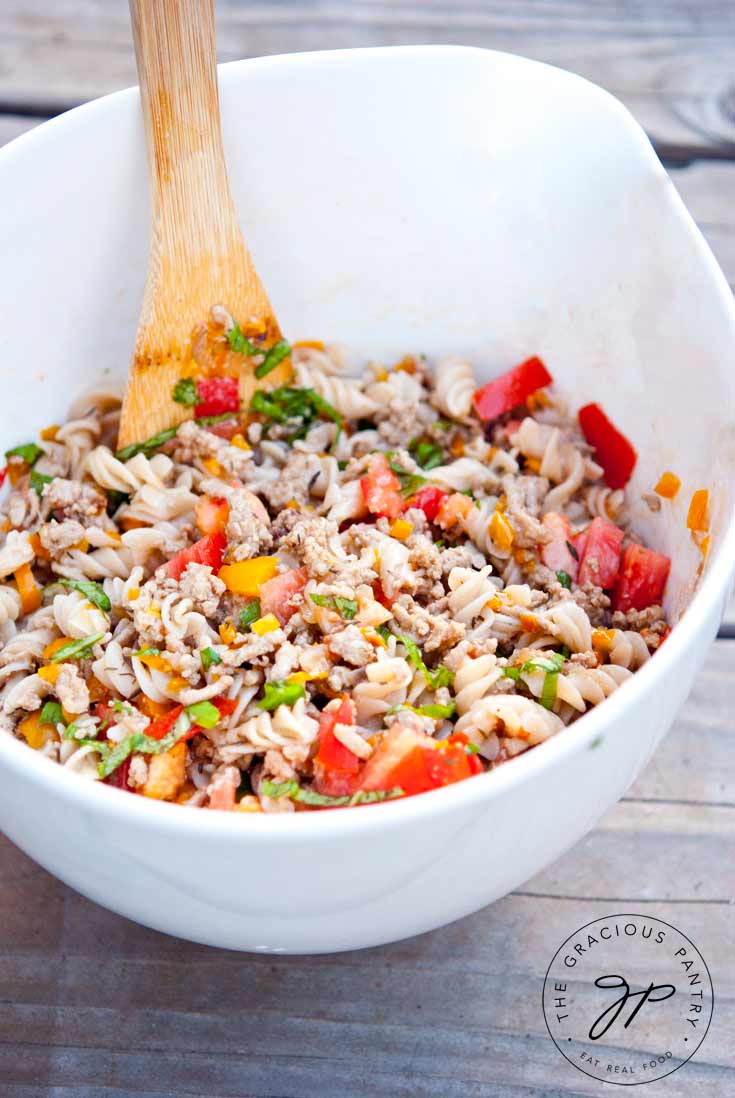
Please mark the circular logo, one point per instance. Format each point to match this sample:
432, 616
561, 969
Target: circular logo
628, 999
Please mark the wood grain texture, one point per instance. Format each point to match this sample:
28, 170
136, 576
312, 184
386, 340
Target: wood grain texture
93, 1005
198, 256
671, 62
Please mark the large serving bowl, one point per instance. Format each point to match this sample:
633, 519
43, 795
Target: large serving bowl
427, 199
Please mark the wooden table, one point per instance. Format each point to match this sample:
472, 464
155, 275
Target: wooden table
92, 1005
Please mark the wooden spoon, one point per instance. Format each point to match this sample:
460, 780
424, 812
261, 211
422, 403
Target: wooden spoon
198, 256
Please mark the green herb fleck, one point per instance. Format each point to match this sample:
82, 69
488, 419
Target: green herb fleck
208, 657
51, 714
436, 712
77, 649
38, 480
346, 608
27, 452
409, 482
148, 447
294, 792
441, 676
147, 652
204, 714
249, 614
240, 343
287, 403
186, 392
384, 631
279, 692
426, 453
274, 356
207, 421
91, 591
564, 579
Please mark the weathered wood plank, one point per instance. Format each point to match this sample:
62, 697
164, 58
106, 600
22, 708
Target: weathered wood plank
671, 63
93, 1006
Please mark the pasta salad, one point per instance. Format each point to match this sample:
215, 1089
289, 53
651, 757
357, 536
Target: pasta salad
366, 584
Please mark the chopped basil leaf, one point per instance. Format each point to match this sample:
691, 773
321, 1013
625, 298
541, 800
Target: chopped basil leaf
564, 579
208, 656
441, 676
513, 673
121, 707
426, 453
51, 714
248, 615
288, 403
572, 550
346, 608
149, 446
147, 652
76, 649
207, 421
279, 692
27, 452
309, 796
91, 590
116, 499
472, 749
409, 482
549, 662
204, 714
273, 357
384, 631
548, 690
38, 480
436, 712
240, 343
186, 392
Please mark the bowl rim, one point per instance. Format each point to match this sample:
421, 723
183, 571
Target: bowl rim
583, 735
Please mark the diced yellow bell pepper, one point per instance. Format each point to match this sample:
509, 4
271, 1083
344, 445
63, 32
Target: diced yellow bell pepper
51, 649
227, 632
166, 774
155, 662
698, 515
246, 576
36, 733
50, 673
177, 682
239, 441
401, 529
133, 593
28, 589
602, 639
248, 804
668, 485
48, 434
268, 624
501, 531
213, 466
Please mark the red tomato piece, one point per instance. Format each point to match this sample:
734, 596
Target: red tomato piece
381, 489
3, 474
119, 776
600, 560
335, 766
211, 514
415, 763
511, 389
429, 500
227, 429
208, 550
642, 579
381, 596
615, 453
556, 554
275, 594
217, 395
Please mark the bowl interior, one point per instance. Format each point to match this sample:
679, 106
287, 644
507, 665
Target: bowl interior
426, 200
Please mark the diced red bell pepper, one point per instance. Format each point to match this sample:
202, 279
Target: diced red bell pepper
335, 766
162, 725
275, 594
381, 596
511, 389
381, 488
600, 561
3, 474
428, 500
642, 579
217, 395
415, 763
556, 554
211, 514
615, 453
208, 550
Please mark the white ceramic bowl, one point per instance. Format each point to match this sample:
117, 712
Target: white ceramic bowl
427, 199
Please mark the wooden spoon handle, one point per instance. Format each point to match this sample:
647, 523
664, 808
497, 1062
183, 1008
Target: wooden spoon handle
198, 256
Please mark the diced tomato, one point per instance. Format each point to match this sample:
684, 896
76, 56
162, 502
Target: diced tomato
600, 561
429, 500
556, 554
615, 453
275, 593
211, 514
227, 429
119, 776
3, 474
163, 725
452, 509
511, 389
222, 797
381, 489
208, 550
217, 395
335, 766
642, 579
381, 596
579, 541
415, 763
